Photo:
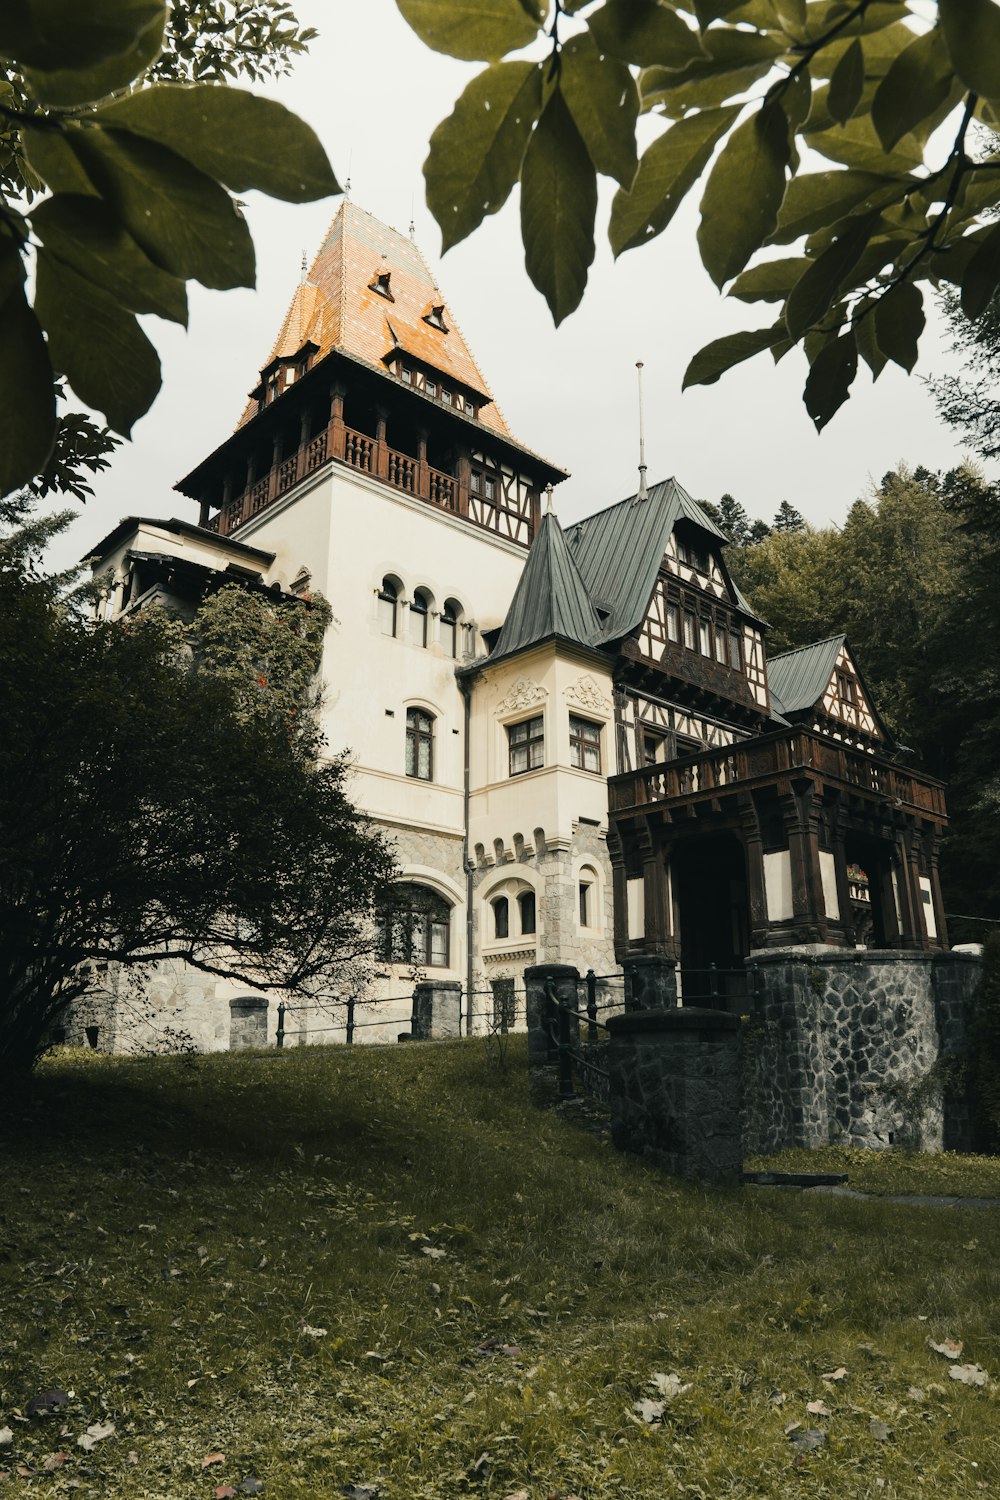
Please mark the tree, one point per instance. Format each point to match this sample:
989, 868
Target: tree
787, 518
790, 578
748, 90
972, 402
145, 813
137, 165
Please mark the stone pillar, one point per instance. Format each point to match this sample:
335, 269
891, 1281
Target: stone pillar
675, 1091
753, 849
247, 1022
651, 981
544, 986
954, 977
437, 1010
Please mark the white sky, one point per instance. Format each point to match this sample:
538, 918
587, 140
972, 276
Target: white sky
374, 93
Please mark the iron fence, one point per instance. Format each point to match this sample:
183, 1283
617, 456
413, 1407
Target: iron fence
481, 1012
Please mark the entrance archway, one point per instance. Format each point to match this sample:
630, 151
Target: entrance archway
712, 916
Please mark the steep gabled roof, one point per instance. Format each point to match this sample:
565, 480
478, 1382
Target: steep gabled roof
619, 551
798, 679
338, 307
551, 600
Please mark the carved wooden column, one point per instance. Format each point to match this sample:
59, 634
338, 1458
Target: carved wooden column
335, 426
839, 843
931, 842
802, 824
272, 478
655, 888
753, 849
423, 472
381, 467
463, 473
911, 921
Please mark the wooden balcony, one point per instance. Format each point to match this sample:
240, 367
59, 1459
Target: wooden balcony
369, 455
772, 759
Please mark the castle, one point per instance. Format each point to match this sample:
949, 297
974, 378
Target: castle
575, 738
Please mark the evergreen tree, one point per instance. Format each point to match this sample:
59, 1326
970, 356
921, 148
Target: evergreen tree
787, 518
971, 402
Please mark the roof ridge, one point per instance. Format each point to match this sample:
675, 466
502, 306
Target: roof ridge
456, 325
626, 500
839, 635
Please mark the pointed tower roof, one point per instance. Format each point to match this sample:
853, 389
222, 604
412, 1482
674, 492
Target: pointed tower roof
551, 600
369, 294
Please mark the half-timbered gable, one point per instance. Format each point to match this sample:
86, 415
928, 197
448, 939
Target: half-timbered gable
821, 686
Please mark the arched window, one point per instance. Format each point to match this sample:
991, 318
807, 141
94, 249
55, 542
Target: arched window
419, 612
419, 744
526, 910
450, 616
501, 917
413, 927
388, 605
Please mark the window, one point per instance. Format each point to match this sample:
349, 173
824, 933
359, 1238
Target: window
450, 616
721, 645
388, 598
419, 613
407, 374
475, 482
489, 487
652, 748
446, 395
413, 927
419, 744
526, 911
380, 283
673, 631
501, 917
704, 638
689, 623
584, 744
585, 889
734, 652
430, 386
526, 744
504, 1003
436, 317
845, 688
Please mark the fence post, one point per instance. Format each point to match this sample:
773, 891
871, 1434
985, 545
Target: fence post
565, 1053
544, 986
713, 980
281, 1023
591, 1006
350, 1020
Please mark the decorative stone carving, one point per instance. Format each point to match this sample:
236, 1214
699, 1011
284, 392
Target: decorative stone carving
522, 695
586, 692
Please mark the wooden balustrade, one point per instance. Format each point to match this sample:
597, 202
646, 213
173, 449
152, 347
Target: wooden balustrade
756, 761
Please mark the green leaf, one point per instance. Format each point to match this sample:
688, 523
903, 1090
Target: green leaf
83, 233
238, 138
917, 82
476, 30
186, 223
864, 334
972, 33
476, 153
771, 281
645, 33
602, 97
81, 85
721, 354
847, 84
815, 199
667, 170
899, 321
982, 274
831, 375
53, 34
27, 398
818, 287
733, 60
740, 204
96, 344
857, 145
51, 156
558, 205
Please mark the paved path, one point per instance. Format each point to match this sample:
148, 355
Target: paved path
918, 1200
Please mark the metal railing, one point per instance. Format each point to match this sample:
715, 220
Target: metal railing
501, 1014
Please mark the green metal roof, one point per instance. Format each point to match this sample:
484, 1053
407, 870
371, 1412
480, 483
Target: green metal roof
551, 599
798, 679
619, 550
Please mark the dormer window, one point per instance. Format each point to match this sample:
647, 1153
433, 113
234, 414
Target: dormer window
436, 317
380, 283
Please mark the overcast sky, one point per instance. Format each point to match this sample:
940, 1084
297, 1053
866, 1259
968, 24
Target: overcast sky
374, 93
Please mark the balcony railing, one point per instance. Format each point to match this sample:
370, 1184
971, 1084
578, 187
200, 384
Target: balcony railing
414, 476
759, 761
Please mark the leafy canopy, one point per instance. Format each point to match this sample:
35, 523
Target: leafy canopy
815, 124
120, 149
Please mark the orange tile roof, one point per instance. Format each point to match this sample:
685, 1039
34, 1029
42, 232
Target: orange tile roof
337, 309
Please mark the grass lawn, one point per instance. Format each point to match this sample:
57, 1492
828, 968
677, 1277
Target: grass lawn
388, 1271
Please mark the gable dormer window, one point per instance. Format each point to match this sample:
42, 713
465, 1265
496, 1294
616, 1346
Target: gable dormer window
436, 317
380, 283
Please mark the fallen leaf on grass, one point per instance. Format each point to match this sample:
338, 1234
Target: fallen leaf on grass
48, 1401
212, 1458
807, 1438
361, 1491
879, 1431
434, 1251
837, 1374
916, 1393
309, 1332
95, 1433
649, 1411
969, 1374
777, 1398
55, 1461
223, 1492
6, 1436
518, 1495
25, 1472
669, 1386
950, 1348
818, 1409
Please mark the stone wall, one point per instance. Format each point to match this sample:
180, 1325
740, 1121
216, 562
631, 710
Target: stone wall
850, 1047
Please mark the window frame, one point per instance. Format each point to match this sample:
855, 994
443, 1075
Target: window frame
530, 743
524, 897
581, 742
388, 593
419, 738
420, 609
408, 934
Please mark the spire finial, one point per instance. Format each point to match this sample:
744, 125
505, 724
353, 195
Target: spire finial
642, 493
413, 227
548, 499
303, 269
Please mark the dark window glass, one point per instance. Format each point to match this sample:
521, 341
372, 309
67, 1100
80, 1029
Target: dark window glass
584, 744
413, 927
387, 604
526, 907
449, 629
419, 744
489, 487
584, 903
526, 743
734, 652
419, 610
501, 917
704, 638
652, 748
